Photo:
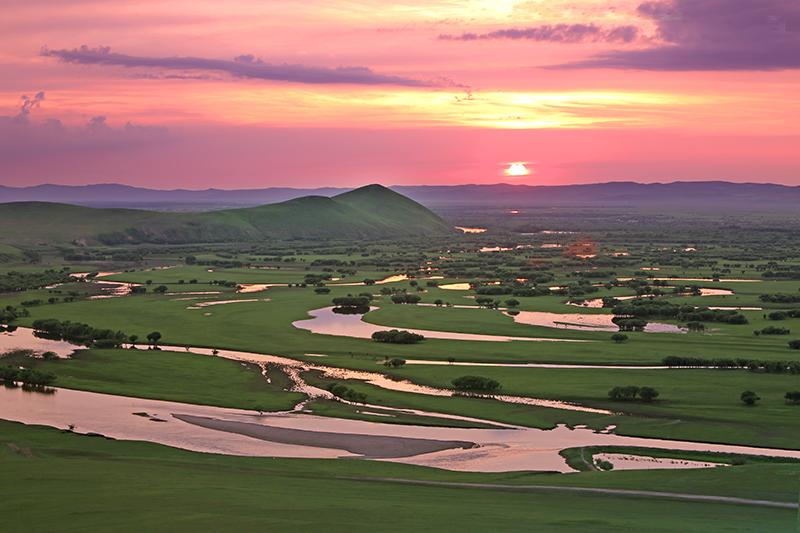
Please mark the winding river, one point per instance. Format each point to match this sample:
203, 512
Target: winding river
299, 434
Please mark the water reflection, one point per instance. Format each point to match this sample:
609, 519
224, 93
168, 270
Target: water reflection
237, 432
623, 461
585, 322
456, 286
325, 322
27, 339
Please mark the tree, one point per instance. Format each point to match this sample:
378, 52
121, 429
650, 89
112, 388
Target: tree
346, 393
438, 302
132, 339
154, 337
512, 302
478, 384
794, 345
161, 289
793, 397
648, 394
619, 337
749, 397
395, 362
395, 336
623, 394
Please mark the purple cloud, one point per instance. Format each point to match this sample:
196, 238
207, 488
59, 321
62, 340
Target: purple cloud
561, 33
713, 35
245, 66
28, 104
21, 135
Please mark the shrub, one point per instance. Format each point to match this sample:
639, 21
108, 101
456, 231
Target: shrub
604, 465
395, 362
78, 333
476, 384
346, 393
396, 336
629, 324
648, 394
351, 301
402, 298
793, 397
774, 330
26, 376
623, 394
749, 397
632, 393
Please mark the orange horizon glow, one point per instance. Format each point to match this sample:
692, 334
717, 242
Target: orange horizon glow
441, 95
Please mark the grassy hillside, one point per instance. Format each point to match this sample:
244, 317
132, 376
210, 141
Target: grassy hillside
370, 212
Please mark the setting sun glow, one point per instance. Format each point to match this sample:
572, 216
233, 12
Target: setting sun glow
516, 169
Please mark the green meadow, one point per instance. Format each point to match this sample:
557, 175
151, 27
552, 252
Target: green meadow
80, 481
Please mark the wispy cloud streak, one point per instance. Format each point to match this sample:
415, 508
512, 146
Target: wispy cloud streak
244, 66
560, 33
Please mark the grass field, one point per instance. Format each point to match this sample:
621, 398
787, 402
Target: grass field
78, 482
173, 376
182, 491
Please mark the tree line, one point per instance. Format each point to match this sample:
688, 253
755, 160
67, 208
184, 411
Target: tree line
753, 365
395, 336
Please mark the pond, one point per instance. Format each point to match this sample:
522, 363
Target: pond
325, 322
585, 322
24, 339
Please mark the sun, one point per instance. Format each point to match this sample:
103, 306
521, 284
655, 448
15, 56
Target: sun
517, 169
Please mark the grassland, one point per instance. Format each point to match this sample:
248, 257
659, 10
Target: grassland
173, 376
212, 492
183, 491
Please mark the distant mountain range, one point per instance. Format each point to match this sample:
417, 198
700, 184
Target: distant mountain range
698, 195
368, 212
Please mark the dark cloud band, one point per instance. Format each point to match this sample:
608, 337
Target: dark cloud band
241, 67
713, 35
560, 33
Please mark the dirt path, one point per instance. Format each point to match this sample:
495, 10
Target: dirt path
591, 490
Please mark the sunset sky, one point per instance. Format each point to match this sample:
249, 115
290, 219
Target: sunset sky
246, 93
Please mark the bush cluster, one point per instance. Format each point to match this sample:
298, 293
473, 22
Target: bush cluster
631, 393
79, 333
346, 393
478, 384
26, 376
396, 336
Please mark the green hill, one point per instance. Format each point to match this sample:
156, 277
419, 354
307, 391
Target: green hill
369, 212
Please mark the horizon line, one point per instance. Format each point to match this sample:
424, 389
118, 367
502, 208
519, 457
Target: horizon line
506, 184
